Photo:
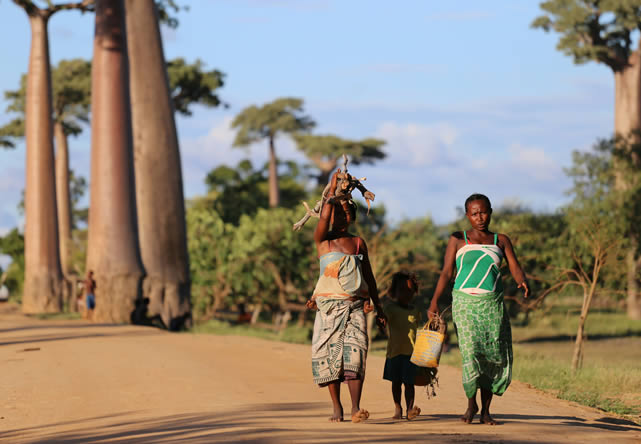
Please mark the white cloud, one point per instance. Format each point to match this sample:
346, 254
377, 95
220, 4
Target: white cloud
418, 145
533, 162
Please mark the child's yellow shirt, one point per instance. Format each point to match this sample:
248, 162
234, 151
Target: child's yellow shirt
402, 324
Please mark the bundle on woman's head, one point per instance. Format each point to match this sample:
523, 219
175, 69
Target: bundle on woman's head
343, 196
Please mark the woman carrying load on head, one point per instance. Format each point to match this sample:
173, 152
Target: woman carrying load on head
481, 320
341, 296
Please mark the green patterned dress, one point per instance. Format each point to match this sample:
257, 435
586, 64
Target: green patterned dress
481, 320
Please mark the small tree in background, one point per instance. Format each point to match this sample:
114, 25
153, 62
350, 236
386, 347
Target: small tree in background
596, 227
243, 190
254, 124
325, 150
602, 31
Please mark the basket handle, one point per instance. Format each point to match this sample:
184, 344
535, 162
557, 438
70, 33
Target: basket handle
438, 318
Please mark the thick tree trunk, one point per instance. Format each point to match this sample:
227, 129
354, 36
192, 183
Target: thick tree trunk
159, 184
43, 276
112, 250
627, 121
63, 197
274, 194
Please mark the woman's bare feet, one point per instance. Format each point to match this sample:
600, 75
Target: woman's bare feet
472, 409
360, 415
413, 413
487, 419
337, 416
398, 412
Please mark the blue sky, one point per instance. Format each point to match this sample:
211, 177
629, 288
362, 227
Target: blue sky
469, 98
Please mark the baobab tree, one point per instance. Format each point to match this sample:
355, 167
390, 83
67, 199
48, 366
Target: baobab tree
112, 249
325, 150
600, 31
71, 92
159, 184
43, 274
282, 116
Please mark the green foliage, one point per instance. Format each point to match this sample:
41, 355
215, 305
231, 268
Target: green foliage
71, 96
165, 9
209, 243
190, 83
283, 115
243, 190
12, 244
71, 83
259, 261
593, 30
77, 189
326, 150
600, 214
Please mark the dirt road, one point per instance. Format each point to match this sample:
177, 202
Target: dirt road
75, 382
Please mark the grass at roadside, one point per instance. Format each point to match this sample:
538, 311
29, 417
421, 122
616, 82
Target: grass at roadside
564, 324
65, 316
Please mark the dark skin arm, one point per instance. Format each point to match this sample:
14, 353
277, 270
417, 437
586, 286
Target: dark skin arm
513, 264
368, 276
449, 264
322, 228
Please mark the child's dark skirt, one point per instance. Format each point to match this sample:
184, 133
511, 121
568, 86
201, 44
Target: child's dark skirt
400, 369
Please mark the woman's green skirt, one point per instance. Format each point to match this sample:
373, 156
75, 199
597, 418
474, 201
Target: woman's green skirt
485, 341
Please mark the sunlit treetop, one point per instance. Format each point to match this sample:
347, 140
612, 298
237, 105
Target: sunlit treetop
593, 30
255, 123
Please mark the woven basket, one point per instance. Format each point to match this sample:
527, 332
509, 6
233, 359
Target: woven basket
429, 343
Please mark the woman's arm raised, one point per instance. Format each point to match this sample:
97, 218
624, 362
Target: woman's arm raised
322, 228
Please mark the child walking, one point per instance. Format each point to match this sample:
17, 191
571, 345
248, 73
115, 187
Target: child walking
403, 320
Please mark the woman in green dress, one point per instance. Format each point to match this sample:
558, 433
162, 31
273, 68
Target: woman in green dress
481, 320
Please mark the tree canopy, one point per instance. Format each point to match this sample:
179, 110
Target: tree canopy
283, 115
593, 30
244, 189
190, 83
71, 96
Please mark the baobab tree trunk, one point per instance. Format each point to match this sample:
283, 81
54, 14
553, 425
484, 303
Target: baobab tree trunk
63, 197
627, 124
64, 210
274, 194
159, 184
112, 250
43, 276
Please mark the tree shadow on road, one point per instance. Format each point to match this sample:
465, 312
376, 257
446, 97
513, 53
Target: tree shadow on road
605, 423
274, 423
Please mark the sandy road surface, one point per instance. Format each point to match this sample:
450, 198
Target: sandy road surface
70, 381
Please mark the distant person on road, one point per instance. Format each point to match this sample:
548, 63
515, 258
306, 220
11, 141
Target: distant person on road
481, 320
90, 295
341, 296
403, 319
